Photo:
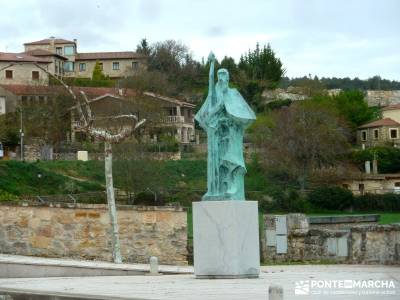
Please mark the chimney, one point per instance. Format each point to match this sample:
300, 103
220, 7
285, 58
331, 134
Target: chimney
52, 42
375, 166
368, 167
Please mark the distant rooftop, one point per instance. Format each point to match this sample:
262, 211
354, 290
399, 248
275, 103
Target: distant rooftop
107, 55
48, 41
379, 123
21, 57
392, 107
41, 52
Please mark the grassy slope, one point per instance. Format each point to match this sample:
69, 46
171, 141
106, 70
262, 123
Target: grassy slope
21, 178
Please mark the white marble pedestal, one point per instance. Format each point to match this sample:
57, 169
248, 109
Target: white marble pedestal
226, 239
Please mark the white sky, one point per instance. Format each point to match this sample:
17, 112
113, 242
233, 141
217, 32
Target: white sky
354, 38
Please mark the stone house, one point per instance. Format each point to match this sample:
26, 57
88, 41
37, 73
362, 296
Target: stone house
382, 132
21, 68
176, 116
76, 64
373, 184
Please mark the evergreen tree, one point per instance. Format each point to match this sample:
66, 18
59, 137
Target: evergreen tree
262, 64
98, 72
143, 47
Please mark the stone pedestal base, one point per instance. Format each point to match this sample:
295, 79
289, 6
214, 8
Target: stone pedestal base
226, 239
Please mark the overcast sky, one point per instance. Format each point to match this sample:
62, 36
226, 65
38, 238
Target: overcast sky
354, 38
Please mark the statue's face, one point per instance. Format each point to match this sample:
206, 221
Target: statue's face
223, 78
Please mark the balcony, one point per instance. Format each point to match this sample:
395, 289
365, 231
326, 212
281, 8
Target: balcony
175, 119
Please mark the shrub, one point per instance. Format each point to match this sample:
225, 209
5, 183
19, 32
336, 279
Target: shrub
388, 158
331, 198
374, 202
6, 196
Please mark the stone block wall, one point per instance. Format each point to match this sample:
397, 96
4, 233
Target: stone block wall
83, 231
342, 222
368, 244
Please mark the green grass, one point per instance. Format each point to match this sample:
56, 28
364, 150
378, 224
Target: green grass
20, 178
385, 218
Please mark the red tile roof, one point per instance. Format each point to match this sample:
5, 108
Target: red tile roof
391, 107
48, 41
41, 52
23, 57
108, 55
91, 92
379, 123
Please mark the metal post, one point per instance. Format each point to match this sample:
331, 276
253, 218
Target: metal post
153, 265
21, 132
275, 292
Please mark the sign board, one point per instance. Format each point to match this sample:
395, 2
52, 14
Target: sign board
270, 236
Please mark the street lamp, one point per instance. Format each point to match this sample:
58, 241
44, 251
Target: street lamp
39, 176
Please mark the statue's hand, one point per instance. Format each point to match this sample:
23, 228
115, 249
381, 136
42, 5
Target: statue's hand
211, 57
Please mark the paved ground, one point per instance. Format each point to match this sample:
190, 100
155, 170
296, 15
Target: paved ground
104, 267
188, 288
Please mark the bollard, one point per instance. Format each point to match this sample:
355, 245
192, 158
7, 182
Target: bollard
153, 265
275, 292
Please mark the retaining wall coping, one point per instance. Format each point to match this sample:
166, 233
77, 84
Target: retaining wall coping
92, 206
343, 219
376, 228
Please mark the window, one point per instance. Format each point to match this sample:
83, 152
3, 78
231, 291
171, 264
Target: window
364, 135
361, 188
68, 66
376, 134
115, 66
59, 50
82, 67
9, 74
56, 69
35, 75
101, 66
69, 50
397, 184
135, 65
345, 186
394, 133
2, 105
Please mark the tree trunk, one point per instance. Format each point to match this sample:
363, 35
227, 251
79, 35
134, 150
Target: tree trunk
111, 202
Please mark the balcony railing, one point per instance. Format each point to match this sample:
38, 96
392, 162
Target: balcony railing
175, 119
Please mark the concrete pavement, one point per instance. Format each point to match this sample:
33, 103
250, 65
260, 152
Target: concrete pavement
184, 286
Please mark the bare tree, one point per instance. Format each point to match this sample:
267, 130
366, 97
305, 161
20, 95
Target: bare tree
87, 125
301, 140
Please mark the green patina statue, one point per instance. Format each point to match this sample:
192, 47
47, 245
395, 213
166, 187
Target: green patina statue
224, 116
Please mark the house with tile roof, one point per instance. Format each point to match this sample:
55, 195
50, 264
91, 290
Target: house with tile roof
177, 115
385, 131
76, 64
22, 68
61, 58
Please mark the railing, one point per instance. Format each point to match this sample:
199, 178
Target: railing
174, 119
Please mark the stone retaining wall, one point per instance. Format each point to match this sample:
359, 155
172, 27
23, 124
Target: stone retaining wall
342, 222
83, 231
369, 244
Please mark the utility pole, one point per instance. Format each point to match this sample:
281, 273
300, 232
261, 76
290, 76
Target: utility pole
21, 133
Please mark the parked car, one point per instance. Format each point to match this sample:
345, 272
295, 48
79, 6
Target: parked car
1, 151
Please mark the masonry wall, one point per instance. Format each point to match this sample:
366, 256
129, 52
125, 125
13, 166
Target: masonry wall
22, 74
125, 67
368, 244
83, 231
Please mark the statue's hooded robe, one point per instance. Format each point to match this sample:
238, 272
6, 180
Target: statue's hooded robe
225, 116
